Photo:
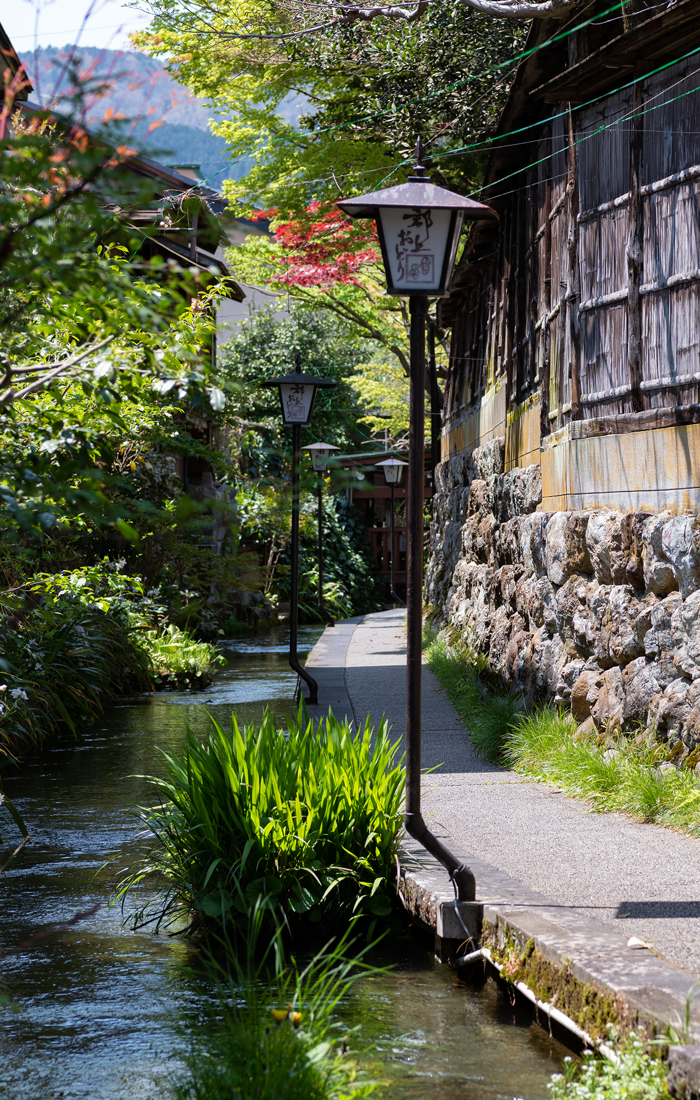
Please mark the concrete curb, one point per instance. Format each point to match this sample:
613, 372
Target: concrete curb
326, 663
508, 916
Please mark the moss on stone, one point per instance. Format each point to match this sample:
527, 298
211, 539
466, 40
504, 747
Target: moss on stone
589, 1008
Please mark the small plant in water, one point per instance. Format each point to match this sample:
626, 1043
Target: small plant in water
273, 1031
304, 820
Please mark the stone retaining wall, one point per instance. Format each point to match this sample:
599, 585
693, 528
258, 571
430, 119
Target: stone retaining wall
599, 610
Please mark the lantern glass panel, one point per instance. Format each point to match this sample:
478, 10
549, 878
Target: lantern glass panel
319, 458
393, 470
297, 402
417, 240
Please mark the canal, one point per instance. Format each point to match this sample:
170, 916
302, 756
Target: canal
92, 1010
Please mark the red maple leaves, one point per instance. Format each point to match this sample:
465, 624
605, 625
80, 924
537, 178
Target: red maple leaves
326, 248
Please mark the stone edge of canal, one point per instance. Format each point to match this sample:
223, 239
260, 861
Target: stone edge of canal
576, 974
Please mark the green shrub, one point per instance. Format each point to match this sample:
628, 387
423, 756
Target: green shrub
71, 641
60, 662
176, 657
307, 819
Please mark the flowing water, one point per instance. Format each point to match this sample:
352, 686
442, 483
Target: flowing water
91, 1009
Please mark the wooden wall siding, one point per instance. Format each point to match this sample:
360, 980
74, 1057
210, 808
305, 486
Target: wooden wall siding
604, 154
555, 310
671, 129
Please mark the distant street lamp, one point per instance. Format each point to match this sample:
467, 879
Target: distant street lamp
393, 472
418, 224
320, 453
297, 394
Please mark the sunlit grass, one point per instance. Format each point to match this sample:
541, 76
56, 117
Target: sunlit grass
543, 743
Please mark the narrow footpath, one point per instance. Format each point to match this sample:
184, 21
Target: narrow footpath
588, 882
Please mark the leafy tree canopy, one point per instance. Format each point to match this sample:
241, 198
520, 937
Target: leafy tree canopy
86, 320
370, 88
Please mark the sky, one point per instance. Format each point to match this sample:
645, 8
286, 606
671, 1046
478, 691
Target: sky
59, 22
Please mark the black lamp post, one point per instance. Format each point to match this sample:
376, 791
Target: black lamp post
320, 453
393, 472
418, 224
297, 393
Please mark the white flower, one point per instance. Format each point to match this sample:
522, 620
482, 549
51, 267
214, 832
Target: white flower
3, 687
153, 592
2, 708
38, 665
17, 693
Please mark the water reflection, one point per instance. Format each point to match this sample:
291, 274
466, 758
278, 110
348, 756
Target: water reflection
94, 1006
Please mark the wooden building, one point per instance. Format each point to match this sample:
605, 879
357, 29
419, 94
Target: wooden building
576, 321
371, 495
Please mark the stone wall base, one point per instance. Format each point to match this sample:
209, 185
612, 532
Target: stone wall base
595, 609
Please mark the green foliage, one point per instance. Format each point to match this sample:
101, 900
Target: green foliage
70, 641
544, 744
90, 325
633, 1075
304, 821
177, 658
370, 88
273, 1030
61, 662
624, 778
266, 348
351, 585
489, 715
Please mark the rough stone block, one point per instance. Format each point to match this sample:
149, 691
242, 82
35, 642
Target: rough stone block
685, 632
679, 542
538, 541
489, 459
684, 1072
659, 576
566, 550
640, 685
604, 543
608, 708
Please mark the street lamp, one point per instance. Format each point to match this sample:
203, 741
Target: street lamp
418, 224
297, 394
320, 453
393, 472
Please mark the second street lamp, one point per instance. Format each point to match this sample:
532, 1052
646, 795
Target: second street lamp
393, 472
320, 453
297, 394
418, 224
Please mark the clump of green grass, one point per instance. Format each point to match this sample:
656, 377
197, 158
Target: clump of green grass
273, 1031
305, 818
489, 715
634, 1074
543, 743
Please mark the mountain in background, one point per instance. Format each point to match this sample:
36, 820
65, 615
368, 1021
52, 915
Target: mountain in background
142, 90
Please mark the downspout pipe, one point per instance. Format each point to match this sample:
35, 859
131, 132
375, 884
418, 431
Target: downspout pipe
462, 878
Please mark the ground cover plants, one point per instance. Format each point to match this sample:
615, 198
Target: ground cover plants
305, 821
633, 1075
610, 771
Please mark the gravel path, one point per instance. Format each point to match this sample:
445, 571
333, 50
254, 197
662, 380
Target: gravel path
642, 879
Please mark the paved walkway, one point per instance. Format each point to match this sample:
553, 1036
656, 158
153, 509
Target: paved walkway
642, 880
